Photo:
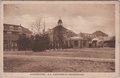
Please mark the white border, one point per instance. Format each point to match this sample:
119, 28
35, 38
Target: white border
83, 74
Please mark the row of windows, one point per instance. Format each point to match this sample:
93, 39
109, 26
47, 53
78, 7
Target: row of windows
10, 44
12, 28
13, 33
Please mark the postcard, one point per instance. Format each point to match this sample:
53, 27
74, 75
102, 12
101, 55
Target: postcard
59, 39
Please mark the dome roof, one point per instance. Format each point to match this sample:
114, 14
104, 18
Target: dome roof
59, 21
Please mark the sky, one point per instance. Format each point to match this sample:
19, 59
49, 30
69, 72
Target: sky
86, 18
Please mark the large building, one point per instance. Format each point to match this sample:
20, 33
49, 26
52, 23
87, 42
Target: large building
63, 37
11, 35
59, 35
93, 35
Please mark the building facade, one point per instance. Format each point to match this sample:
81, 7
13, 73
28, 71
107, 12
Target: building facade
62, 37
11, 34
59, 36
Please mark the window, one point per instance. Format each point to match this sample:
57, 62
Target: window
20, 29
11, 28
15, 28
5, 41
9, 32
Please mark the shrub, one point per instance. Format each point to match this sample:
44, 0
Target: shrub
40, 42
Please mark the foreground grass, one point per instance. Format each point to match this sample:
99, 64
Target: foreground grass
85, 52
55, 65
25, 62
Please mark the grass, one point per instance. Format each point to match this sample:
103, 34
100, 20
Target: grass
25, 62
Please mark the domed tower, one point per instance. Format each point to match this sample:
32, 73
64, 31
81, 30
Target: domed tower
60, 23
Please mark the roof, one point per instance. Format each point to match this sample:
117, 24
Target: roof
68, 33
100, 33
25, 30
11, 25
104, 39
95, 39
109, 38
76, 38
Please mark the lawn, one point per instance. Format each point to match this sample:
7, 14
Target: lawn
60, 60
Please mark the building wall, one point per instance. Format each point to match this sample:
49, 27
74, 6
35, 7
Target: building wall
60, 37
11, 35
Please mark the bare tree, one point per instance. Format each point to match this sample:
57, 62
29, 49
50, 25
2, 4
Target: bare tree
36, 26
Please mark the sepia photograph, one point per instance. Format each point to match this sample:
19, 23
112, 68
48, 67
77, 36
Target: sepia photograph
60, 37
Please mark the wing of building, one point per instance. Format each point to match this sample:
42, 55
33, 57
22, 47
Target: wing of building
11, 35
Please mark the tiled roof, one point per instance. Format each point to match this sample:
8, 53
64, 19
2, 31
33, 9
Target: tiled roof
24, 30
